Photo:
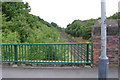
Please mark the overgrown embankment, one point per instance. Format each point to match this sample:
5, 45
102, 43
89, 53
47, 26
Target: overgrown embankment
19, 26
82, 29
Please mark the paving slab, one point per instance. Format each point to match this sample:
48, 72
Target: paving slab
10, 72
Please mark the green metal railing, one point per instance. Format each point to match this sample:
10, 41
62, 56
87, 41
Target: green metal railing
48, 53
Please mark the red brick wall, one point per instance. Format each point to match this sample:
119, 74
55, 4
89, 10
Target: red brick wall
112, 50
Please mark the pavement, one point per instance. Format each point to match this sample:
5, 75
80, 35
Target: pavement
10, 72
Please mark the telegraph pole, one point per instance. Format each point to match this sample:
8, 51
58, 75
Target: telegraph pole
103, 59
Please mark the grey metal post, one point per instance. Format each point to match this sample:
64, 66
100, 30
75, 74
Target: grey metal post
103, 59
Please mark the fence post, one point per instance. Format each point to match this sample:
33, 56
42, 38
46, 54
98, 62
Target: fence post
15, 54
87, 53
91, 52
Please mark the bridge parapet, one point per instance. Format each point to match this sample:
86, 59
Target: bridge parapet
67, 53
113, 40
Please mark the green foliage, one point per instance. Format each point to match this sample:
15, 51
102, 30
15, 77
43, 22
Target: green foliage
80, 28
83, 28
13, 9
18, 26
115, 16
54, 24
57, 27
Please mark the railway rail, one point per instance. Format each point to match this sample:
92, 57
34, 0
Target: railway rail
82, 48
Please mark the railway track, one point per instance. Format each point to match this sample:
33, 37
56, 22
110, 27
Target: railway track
79, 52
69, 40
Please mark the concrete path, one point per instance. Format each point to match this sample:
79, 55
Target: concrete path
55, 73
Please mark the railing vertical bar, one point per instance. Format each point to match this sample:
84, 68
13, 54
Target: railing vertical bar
46, 52
35, 58
28, 52
68, 53
52, 52
25, 53
44, 47
87, 53
6, 52
22, 52
71, 53
78, 52
74, 53
15, 54
19, 53
81, 53
58, 53
91, 52
39, 54
1, 53
9, 51
33, 53
64, 53
55, 53
61, 53
49, 53
42, 52
84, 53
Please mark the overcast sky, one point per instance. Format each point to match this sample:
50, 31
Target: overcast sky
64, 12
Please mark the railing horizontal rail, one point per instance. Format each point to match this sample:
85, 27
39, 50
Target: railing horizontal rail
48, 53
48, 44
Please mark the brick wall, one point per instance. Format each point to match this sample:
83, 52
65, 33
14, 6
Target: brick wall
112, 50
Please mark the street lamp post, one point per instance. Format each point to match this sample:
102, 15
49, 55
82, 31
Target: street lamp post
103, 59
